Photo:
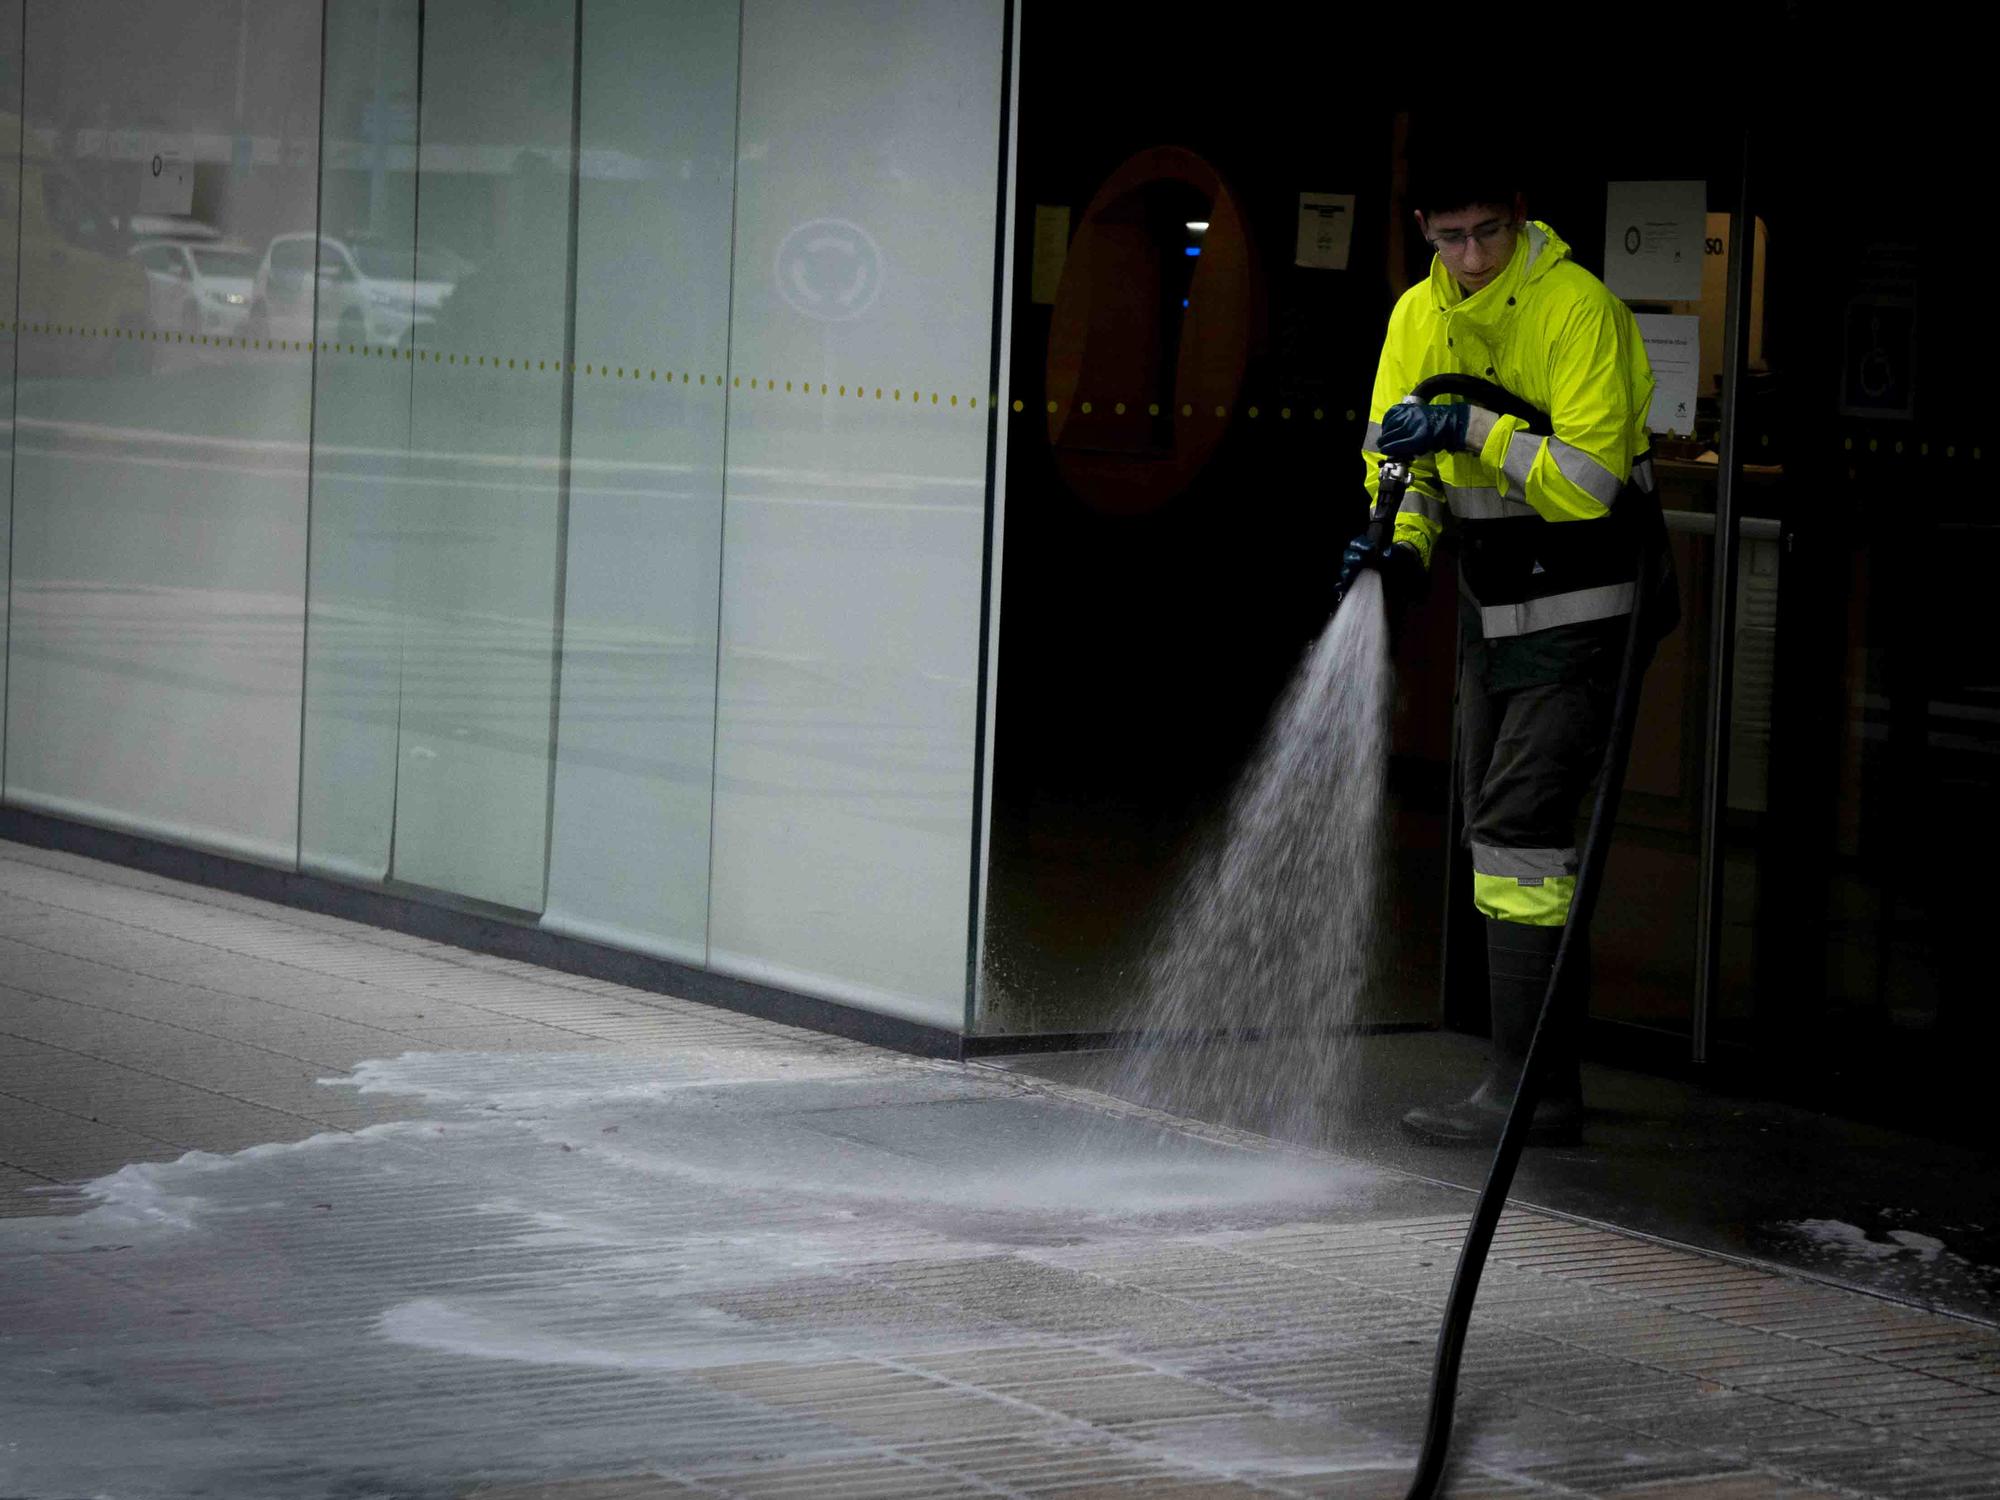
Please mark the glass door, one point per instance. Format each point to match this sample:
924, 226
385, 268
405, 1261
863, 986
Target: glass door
1864, 740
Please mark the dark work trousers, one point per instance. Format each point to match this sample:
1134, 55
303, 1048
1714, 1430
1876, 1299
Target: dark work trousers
1527, 756
1527, 759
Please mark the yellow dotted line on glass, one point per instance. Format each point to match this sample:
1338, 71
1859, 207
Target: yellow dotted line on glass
1923, 449
858, 391
593, 369
1120, 408
368, 351
1902, 446
151, 336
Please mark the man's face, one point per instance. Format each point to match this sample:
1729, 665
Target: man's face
1475, 243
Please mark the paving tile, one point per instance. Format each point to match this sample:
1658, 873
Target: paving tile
169, 1109
63, 1145
1726, 1487
25, 1194
628, 1487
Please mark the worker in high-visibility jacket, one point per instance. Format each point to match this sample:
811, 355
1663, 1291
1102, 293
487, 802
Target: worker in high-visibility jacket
1547, 580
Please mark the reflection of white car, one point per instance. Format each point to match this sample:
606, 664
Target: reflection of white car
197, 288
366, 291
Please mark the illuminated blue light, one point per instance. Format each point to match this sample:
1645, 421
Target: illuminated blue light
1192, 250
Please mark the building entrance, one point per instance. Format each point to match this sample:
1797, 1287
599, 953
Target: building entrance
1774, 916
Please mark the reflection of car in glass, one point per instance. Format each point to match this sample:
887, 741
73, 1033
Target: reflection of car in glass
198, 288
74, 271
366, 290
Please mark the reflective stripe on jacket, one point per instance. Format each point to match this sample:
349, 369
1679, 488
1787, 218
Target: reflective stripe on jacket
1539, 514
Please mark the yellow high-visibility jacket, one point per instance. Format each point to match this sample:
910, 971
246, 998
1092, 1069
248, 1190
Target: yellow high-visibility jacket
1549, 552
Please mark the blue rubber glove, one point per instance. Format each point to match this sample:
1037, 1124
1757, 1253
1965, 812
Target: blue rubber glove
1404, 576
1410, 431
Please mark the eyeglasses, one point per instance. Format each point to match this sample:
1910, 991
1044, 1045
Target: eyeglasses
1455, 240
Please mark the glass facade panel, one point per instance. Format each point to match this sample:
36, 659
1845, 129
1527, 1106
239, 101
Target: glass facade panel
483, 555
159, 505
862, 337
361, 475
10, 239
634, 769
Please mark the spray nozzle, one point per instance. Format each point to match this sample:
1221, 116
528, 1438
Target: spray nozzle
1391, 481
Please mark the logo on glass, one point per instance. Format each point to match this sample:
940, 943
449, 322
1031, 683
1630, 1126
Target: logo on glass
829, 269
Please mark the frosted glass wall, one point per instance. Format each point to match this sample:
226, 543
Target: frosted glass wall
483, 557
361, 474
10, 236
159, 504
634, 770
536, 459
856, 498
441, 284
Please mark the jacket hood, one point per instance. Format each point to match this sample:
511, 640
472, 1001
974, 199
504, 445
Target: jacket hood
1538, 249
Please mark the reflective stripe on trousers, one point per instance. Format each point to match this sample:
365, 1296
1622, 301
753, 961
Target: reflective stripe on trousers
1531, 886
1538, 903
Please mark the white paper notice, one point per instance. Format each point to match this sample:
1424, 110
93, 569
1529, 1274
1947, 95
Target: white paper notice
166, 183
1653, 240
1051, 250
1673, 346
1326, 229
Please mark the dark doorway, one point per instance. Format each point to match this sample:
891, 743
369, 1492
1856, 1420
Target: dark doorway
1165, 566
1174, 525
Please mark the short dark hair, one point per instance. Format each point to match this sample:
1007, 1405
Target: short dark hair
1458, 161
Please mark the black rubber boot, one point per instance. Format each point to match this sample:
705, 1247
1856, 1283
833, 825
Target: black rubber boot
1518, 962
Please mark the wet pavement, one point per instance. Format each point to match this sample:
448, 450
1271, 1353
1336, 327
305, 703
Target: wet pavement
361, 1215
1900, 1215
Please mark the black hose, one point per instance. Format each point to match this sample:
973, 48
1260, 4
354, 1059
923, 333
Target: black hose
1590, 878
1395, 477
1495, 398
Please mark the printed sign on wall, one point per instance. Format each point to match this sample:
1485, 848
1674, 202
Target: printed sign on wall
1673, 347
1653, 235
166, 183
1326, 230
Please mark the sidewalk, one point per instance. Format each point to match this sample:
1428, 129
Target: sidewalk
369, 1216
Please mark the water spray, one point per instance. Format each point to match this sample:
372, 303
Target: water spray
1253, 922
